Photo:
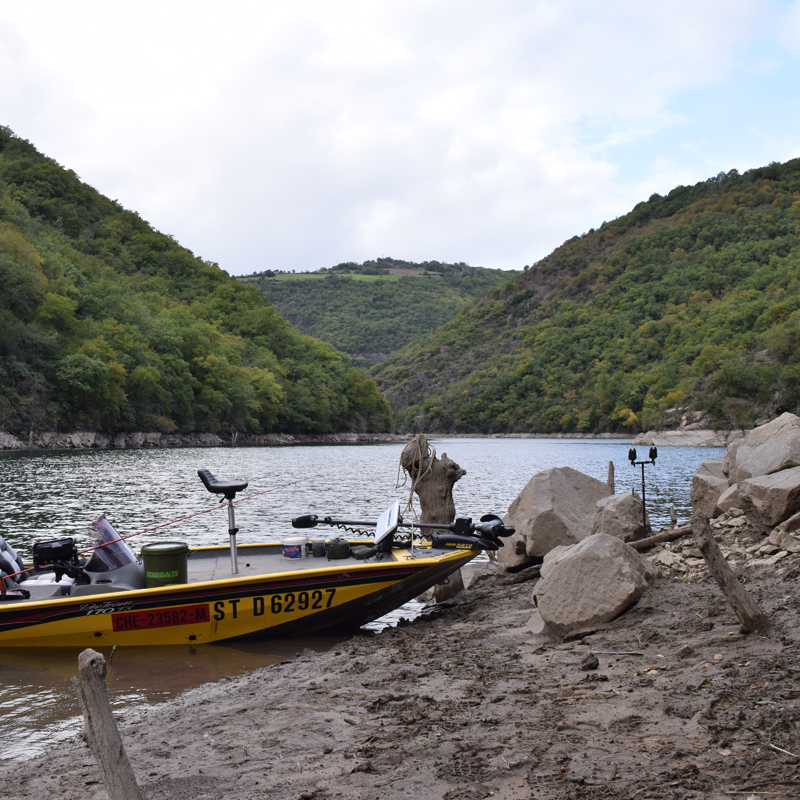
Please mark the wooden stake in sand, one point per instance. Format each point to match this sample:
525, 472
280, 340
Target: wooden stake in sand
100, 730
751, 617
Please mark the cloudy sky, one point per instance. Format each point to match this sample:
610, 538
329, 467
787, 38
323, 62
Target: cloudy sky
293, 134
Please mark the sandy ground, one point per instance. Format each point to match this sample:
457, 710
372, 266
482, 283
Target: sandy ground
466, 702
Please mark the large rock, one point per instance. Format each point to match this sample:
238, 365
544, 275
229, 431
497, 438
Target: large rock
619, 515
728, 499
771, 499
708, 484
589, 583
10, 442
771, 448
555, 508
476, 570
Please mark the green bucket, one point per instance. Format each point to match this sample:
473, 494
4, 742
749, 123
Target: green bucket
165, 563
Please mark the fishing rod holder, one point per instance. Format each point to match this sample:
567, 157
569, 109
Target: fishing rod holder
652, 456
228, 490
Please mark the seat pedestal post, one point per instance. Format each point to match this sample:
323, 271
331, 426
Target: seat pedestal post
233, 530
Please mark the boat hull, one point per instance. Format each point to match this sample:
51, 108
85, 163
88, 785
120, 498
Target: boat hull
278, 604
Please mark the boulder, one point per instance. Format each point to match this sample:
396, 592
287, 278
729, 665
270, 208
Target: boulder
554, 509
771, 499
475, 570
728, 500
619, 515
589, 583
771, 448
708, 484
10, 442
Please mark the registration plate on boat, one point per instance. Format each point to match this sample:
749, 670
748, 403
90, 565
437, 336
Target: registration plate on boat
164, 617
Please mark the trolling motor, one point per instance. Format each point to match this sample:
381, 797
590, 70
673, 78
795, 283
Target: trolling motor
229, 491
461, 534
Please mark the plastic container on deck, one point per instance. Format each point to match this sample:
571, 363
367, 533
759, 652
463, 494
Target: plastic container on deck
294, 546
318, 548
165, 563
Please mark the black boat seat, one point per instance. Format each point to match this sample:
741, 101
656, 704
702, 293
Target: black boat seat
10, 562
217, 487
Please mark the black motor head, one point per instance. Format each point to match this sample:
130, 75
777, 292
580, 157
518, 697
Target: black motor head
305, 521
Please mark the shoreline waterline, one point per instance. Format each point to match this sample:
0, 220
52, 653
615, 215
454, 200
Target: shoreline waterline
90, 440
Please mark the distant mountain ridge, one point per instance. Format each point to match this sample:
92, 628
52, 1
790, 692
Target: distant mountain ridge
372, 309
690, 302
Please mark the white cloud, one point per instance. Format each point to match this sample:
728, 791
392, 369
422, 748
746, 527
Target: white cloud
296, 135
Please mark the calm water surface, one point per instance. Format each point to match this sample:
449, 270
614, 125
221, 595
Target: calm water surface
54, 494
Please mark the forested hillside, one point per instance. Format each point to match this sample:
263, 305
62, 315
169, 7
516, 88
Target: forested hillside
689, 302
106, 324
369, 310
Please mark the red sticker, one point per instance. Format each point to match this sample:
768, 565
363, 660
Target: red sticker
162, 618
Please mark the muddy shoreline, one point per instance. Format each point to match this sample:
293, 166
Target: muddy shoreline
469, 702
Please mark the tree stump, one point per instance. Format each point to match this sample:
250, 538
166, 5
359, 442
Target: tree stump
100, 730
432, 480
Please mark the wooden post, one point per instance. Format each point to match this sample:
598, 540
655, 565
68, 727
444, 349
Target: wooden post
611, 477
100, 730
751, 617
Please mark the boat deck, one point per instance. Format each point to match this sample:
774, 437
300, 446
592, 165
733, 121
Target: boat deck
214, 564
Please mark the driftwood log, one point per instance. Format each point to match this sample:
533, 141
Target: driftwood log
658, 538
100, 730
432, 480
751, 617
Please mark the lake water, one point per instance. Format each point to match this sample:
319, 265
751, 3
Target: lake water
49, 495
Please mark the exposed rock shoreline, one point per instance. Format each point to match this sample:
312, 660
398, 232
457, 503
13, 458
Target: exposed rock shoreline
91, 440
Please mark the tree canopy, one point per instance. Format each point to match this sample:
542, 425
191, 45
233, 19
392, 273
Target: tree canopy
107, 324
690, 302
370, 310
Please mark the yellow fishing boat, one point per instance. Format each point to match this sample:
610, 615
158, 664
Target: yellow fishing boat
170, 594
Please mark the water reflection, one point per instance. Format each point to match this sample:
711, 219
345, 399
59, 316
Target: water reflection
36, 692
